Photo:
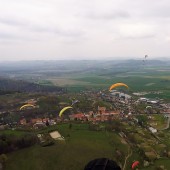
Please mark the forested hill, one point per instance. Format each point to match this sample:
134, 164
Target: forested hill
23, 86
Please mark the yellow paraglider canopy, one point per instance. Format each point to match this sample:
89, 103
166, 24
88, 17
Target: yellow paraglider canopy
64, 109
26, 105
117, 85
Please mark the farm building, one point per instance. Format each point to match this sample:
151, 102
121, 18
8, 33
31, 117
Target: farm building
152, 130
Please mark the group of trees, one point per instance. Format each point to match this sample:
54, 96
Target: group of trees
110, 126
23, 86
11, 142
3, 160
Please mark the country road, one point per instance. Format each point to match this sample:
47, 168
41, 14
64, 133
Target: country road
168, 122
129, 154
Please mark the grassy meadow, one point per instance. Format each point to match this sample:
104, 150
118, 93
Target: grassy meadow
82, 146
146, 79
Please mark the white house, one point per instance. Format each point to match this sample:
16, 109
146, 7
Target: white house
152, 130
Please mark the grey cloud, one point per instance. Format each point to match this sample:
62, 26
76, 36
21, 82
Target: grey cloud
33, 27
73, 33
16, 37
108, 15
7, 36
139, 37
12, 22
65, 35
57, 31
161, 13
73, 27
42, 29
144, 9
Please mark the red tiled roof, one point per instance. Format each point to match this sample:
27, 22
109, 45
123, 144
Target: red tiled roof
78, 115
36, 120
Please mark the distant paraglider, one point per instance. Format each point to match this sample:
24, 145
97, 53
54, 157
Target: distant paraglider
149, 109
64, 109
144, 61
117, 85
74, 102
135, 164
26, 105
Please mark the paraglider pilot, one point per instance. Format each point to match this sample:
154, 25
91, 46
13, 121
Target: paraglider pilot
102, 164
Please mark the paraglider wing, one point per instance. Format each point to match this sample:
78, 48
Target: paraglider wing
136, 163
74, 102
117, 85
147, 107
145, 59
64, 109
26, 105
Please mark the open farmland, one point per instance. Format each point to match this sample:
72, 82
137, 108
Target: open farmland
67, 82
82, 145
72, 154
84, 75
149, 80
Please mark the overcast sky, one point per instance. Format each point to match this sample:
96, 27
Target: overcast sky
84, 29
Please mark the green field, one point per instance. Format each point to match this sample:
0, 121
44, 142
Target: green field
82, 146
164, 162
148, 79
77, 76
15, 132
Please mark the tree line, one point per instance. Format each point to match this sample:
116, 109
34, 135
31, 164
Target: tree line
10, 142
11, 85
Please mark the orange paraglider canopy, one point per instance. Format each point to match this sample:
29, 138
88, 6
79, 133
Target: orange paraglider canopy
117, 85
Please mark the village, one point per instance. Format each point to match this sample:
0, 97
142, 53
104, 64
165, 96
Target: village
134, 118
121, 106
